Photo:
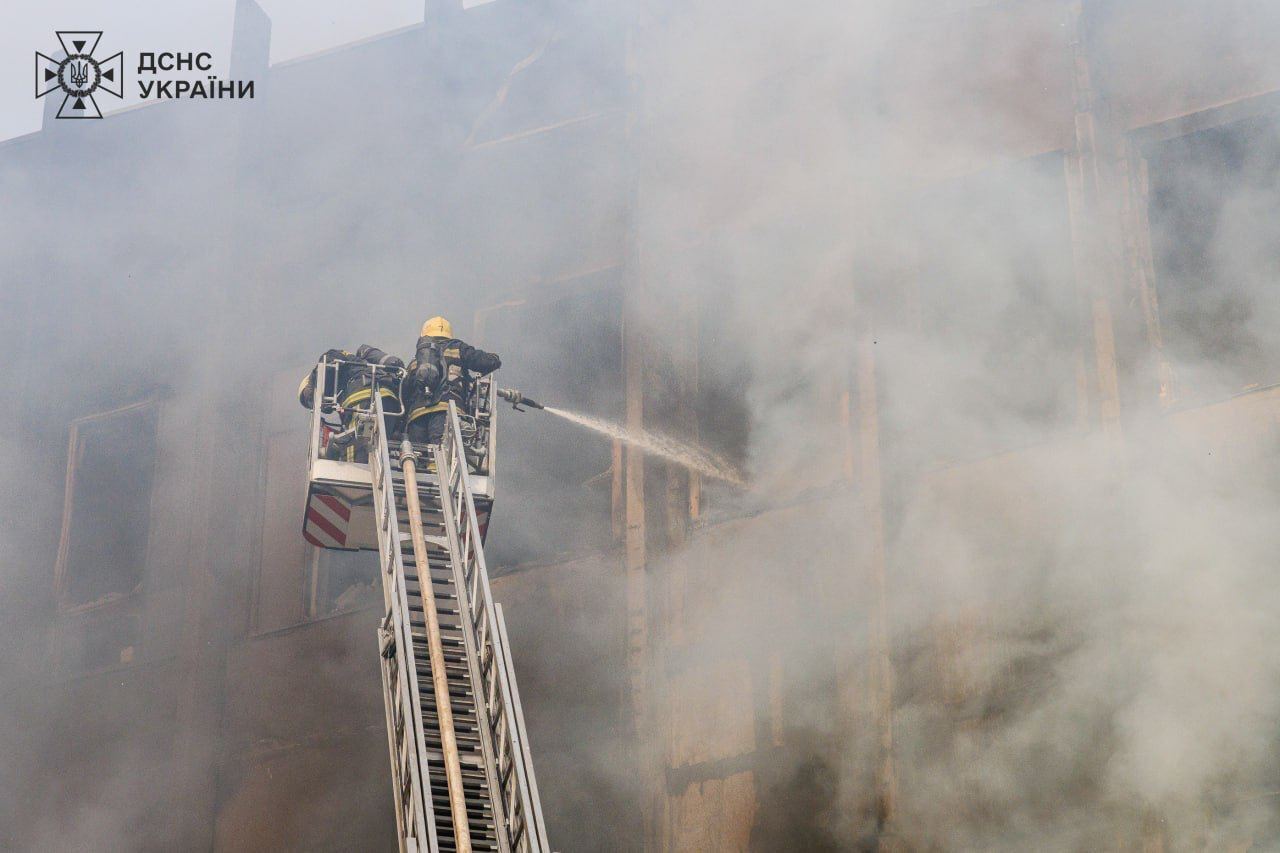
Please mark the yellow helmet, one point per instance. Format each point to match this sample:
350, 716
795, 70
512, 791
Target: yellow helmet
437, 327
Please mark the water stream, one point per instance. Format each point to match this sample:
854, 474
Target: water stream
667, 447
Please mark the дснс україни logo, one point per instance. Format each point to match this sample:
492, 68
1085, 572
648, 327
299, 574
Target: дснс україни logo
79, 75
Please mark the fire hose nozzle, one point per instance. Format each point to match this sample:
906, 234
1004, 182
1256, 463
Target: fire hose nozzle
515, 398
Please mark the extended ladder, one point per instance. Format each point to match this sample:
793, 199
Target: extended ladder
461, 768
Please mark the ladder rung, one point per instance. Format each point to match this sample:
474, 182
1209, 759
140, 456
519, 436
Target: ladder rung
484, 787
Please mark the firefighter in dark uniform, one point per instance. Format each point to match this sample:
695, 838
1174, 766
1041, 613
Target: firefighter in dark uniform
354, 386
442, 370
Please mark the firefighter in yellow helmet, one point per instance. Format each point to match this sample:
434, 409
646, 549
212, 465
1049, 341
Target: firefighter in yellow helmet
350, 379
442, 370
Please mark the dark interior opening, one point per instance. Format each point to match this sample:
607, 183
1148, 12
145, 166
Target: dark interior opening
1215, 239
111, 505
553, 478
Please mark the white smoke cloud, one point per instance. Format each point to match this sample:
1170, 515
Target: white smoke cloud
1083, 630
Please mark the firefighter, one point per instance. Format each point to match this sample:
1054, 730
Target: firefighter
442, 370
354, 388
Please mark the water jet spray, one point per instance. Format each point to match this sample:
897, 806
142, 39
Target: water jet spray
668, 447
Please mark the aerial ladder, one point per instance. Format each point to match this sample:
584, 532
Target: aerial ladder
461, 769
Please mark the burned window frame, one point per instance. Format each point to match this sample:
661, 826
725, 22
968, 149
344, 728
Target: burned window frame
75, 454
1156, 285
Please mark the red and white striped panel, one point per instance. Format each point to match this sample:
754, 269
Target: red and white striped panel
326, 522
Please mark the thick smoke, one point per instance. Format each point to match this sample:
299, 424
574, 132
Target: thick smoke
1081, 624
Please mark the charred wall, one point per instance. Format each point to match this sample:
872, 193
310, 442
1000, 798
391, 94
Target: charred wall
1054, 220
213, 703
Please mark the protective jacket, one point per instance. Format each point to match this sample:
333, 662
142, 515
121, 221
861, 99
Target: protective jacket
354, 381
443, 370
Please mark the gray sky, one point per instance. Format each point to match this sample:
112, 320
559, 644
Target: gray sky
299, 27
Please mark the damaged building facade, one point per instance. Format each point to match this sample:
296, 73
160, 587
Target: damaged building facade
695, 674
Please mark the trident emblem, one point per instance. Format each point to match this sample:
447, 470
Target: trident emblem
79, 73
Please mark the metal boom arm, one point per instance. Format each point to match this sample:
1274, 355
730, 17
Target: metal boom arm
455, 728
